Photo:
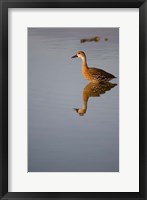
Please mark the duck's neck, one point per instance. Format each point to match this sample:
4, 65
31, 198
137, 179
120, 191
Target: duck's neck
84, 63
85, 100
84, 106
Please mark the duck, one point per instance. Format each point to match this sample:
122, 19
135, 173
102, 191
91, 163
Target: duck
90, 73
93, 89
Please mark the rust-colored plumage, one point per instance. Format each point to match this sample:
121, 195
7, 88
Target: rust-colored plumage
93, 90
93, 74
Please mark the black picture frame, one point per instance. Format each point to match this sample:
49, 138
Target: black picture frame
4, 6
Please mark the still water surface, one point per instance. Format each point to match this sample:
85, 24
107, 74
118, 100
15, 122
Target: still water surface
59, 139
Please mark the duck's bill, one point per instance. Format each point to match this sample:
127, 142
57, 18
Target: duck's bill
74, 56
76, 109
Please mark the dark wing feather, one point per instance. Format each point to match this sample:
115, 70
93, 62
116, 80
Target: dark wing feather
100, 74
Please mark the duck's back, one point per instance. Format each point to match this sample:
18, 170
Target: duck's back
98, 75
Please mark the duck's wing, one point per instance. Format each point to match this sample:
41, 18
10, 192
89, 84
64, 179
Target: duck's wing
100, 74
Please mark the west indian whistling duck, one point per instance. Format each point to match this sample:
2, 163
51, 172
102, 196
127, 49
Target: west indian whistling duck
93, 74
93, 90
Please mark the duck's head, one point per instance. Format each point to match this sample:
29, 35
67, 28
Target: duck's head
79, 54
80, 111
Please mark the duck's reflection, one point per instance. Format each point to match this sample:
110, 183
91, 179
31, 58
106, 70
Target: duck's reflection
93, 90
